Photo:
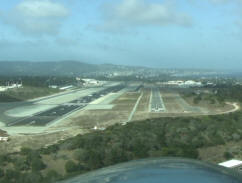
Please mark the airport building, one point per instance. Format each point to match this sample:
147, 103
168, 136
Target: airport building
66, 87
15, 85
183, 84
10, 86
3, 88
91, 82
3, 136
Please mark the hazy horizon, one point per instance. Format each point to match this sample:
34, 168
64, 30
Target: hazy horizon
202, 34
131, 65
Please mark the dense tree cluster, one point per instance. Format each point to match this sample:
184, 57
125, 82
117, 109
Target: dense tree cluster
230, 93
25, 93
33, 86
26, 167
37, 81
163, 137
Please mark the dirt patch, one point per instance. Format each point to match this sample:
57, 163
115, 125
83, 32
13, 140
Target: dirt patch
37, 141
213, 108
102, 118
217, 153
142, 111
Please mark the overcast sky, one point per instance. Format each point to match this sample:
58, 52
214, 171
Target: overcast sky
155, 33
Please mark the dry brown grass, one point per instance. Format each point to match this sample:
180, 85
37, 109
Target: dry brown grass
89, 119
142, 111
53, 163
35, 141
216, 153
144, 102
118, 114
212, 108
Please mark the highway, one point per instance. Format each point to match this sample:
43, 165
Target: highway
59, 111
156, 101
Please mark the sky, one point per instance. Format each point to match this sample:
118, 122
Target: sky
204, 34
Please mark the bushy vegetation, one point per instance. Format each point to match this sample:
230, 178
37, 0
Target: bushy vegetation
230, 93
37, 81
219, 94
33, 86
25, 93
164, 137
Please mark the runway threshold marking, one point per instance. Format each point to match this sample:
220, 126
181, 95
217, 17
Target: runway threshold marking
156, 103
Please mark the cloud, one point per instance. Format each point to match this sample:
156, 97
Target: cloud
218, 1
224, 1
37, 17
69, 42
5, 44
41, 9
142, 13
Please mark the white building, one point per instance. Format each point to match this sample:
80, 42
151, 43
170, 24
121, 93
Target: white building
3, 139
99, 128
10, 86
192, 83
3, 88
3, 136
233, 164
15, 85
175, 82
53, 86
88, 82
66, 87
189, 83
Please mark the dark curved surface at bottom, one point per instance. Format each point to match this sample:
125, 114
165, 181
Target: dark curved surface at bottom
168, 170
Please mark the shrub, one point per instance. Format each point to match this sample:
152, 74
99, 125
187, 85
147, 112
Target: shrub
51, 176
37, 164
25, 151
70, 167
1, 173
20, 164
228, 155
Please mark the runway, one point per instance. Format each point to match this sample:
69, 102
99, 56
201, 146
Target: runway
61, 110
156, 101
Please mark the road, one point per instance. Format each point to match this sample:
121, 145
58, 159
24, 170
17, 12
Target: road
156, 101
235, 105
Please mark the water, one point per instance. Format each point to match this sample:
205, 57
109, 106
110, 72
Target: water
160, 171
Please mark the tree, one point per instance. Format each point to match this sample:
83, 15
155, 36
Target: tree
81, 155
1, 173
70, 166
51, 176
228, 155
25, 151
11, 175
21, 164
37, 164
31, 177
197, 99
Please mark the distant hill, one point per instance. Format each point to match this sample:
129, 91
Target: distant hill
65, 68
75, 68
60, 68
